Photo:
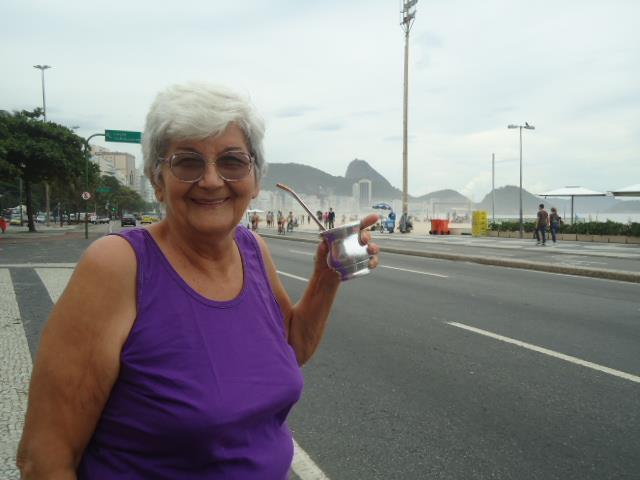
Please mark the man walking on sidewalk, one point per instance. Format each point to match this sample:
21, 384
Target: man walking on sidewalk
542, 223
331, 218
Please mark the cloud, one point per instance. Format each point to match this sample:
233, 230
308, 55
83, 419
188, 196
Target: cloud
294, 111
327, 126
472, 71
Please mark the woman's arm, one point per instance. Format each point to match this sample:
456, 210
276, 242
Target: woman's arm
305, 321
78, 360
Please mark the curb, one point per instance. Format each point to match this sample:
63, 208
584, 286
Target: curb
620, 275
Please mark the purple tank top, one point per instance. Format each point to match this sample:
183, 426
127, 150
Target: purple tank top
204, 387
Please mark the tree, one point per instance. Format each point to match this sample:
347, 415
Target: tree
39, 151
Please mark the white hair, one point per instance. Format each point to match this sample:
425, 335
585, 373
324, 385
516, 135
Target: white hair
196, 111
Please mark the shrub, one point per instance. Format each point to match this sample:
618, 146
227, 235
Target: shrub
583, 228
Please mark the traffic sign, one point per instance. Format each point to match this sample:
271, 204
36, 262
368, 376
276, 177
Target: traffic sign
122, 136
103, 189
86, 195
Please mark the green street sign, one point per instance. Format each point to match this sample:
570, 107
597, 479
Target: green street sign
103, 189
122, 136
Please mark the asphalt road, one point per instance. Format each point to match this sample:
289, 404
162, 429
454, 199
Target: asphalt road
396, 391
574, 254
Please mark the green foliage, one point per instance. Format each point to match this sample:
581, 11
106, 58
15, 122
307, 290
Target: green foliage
512, 226
583, 228
122, 198
38, 152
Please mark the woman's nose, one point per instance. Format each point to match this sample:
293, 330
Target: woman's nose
210, 176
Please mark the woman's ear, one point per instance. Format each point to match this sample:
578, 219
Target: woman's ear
256, 188
159, 192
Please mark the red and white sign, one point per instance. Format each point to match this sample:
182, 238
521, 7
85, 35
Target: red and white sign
86, 195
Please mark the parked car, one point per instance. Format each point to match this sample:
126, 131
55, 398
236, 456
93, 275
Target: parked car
15, 220
149, 217
128, 219
41, 218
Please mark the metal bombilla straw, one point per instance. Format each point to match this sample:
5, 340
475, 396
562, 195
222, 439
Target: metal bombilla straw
284, 187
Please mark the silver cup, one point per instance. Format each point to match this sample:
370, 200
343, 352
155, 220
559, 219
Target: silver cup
347, 255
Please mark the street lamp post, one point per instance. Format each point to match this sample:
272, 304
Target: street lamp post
408, 16
493, 188
528, 127
42, 68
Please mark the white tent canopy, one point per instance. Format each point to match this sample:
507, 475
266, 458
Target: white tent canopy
630, 191
572, 192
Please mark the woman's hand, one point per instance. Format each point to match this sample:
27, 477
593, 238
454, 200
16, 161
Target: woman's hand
373, 249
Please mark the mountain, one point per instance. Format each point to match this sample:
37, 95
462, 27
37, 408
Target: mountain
628, 206
446, 196
508, 201
312, 181
380, 186
305, 179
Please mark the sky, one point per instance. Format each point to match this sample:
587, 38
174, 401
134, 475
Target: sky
327, 76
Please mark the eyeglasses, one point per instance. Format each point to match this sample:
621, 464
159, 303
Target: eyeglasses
190, 167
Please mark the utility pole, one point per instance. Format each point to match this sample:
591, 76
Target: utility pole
408, 16
42, 68
493, 188
527, 127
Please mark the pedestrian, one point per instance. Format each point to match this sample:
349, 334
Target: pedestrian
281, 222
308, 219
542, 222
331, 218
186, 362
556, 221
3, 224
290, 222
255, 220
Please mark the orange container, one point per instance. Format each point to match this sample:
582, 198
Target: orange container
439, 227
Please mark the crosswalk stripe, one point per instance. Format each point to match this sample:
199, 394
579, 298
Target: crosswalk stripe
15, 367
15, 371
55, 280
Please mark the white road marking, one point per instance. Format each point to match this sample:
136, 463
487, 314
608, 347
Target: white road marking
15, 371
55, 280
379, 266
299, 252
414, 271
546, 351
302, 464
292, 276
304, 467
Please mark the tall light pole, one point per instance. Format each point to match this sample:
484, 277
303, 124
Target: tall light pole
42, 68
493, 188
528, 127
408, 16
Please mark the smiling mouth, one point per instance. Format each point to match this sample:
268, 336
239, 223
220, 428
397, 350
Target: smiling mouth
209, 203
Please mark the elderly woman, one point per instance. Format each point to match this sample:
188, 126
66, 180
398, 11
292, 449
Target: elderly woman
174, 352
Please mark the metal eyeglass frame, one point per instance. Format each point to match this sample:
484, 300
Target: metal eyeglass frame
209, 162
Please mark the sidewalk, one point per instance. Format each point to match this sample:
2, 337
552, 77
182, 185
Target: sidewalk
600, 260
14, 231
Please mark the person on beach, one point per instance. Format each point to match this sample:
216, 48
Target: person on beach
331, 218
174, 351
542, 223
555, 221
